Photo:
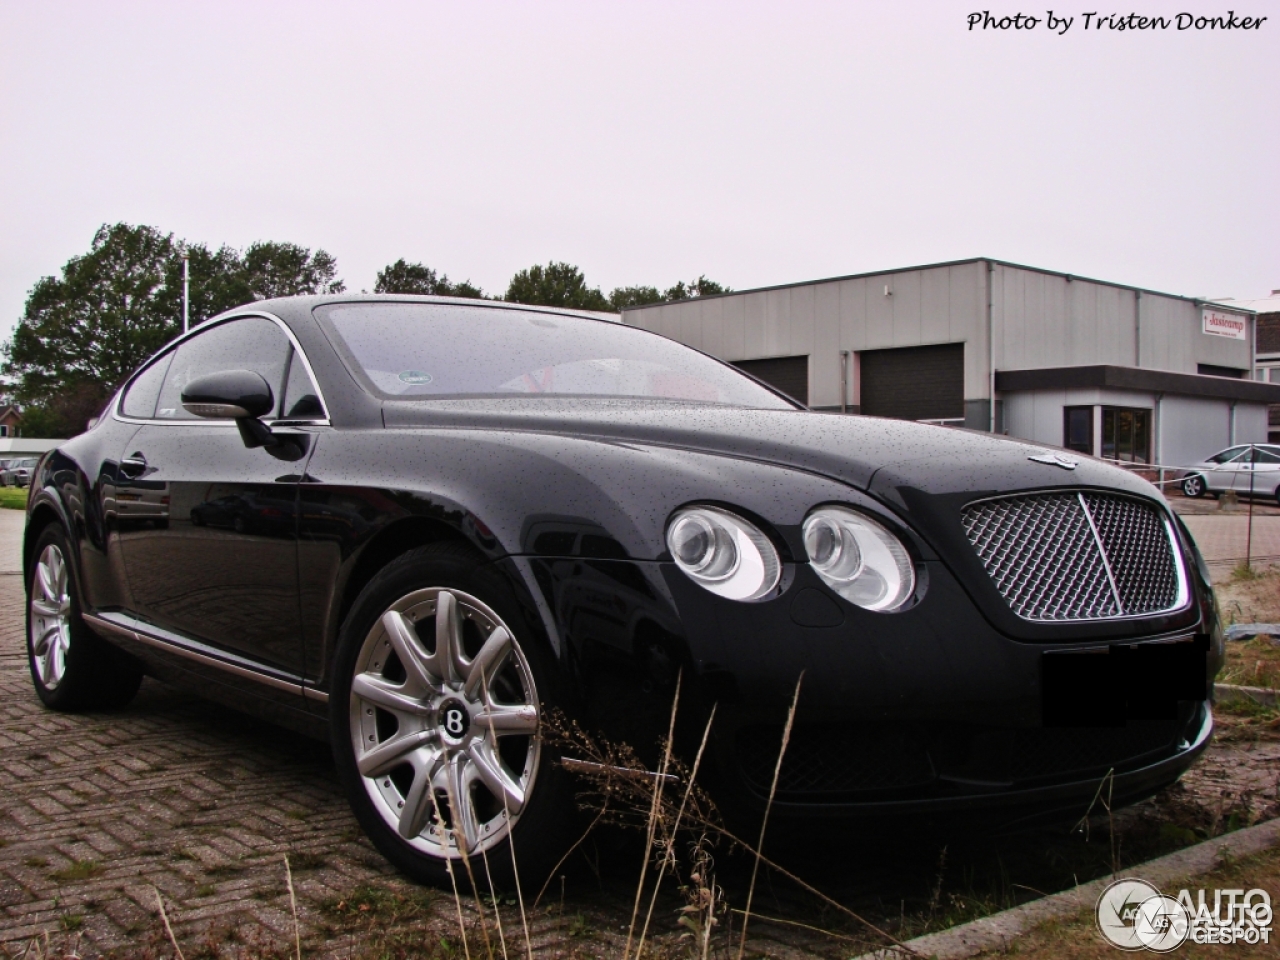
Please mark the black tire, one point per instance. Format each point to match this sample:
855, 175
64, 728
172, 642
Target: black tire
93, 674
1194, 486
543, 827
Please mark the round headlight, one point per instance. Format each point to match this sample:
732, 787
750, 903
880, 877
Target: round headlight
859, 559
723, 553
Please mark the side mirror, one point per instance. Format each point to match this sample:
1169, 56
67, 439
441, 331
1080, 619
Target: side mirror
228, 395
242, 396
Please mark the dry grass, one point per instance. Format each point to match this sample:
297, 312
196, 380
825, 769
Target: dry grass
1251, 597
1077, 939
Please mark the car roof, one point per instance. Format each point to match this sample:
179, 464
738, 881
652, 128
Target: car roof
295, 306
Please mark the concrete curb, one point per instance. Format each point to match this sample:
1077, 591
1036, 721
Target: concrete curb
1227, 692
997, 931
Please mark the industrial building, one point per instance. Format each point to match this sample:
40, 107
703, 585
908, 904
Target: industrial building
1268, 347
1102, 368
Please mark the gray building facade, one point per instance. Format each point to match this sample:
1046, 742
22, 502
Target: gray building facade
1103, 368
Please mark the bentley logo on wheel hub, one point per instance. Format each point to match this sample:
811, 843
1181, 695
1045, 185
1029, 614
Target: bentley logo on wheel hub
454, 720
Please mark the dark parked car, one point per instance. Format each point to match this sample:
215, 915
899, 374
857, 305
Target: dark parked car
267, 512
418, 526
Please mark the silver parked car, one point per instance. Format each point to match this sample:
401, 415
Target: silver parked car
1243, 468
17, 473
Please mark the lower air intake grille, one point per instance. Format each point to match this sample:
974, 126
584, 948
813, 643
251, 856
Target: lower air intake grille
1077, 555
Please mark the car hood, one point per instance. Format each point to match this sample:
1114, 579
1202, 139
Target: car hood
890, 458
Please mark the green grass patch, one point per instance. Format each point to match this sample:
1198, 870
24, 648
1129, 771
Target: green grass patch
77, 870
15, 498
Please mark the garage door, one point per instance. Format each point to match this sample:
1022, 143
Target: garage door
788, 374
913, 383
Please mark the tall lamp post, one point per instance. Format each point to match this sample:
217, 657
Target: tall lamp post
1248, 542
186, 291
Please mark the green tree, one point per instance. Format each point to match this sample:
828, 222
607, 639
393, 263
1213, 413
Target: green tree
83, 332
419, 279
702, 287
555, 285
623, 297
269, 270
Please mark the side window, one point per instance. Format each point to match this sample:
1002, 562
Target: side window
140, 399
301, 398
1077, 429
250, 343
1226, 455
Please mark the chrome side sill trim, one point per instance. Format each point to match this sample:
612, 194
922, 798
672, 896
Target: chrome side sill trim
317, 696
186, 648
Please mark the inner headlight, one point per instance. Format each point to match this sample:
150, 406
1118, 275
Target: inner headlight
859, 559
723, 553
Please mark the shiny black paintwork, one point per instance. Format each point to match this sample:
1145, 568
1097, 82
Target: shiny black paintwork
569, 499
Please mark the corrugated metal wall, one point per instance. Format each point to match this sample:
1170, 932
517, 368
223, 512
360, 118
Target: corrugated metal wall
1040, 320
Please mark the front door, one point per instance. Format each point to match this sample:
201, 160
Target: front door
1259, 473
212, 554
1222, 469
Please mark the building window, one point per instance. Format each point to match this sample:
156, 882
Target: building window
1126, 434
1213, 370
1077, 429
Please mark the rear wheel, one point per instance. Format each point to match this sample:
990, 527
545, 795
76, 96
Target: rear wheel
71, 666
1194, 486
435, 714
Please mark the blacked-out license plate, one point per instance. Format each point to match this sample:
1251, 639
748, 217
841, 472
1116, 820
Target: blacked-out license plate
1105, 686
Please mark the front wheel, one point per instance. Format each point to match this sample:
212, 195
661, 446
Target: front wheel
1193, 486
71, 666
436, 713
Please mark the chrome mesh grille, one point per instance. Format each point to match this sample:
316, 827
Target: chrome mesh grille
1075, 555
1137, 548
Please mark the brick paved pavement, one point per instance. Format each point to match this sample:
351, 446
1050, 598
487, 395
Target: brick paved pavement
1222, 540
172, 793
98, 810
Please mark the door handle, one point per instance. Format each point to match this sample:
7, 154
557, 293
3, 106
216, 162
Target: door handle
133, 465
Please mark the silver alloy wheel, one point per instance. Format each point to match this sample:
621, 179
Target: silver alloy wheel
445, 739
50, 620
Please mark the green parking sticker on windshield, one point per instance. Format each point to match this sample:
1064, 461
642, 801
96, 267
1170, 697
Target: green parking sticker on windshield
416, 376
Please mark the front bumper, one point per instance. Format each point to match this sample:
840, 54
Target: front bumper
1048, 796
927, 711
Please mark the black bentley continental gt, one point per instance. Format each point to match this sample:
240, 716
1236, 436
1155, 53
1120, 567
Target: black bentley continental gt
418, 527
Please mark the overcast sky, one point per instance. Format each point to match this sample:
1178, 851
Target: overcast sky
647, 142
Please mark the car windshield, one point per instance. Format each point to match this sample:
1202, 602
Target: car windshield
1226, 455
421, 351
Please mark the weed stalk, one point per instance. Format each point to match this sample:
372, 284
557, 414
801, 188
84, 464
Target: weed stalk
164, 918
655, 809
773, 787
